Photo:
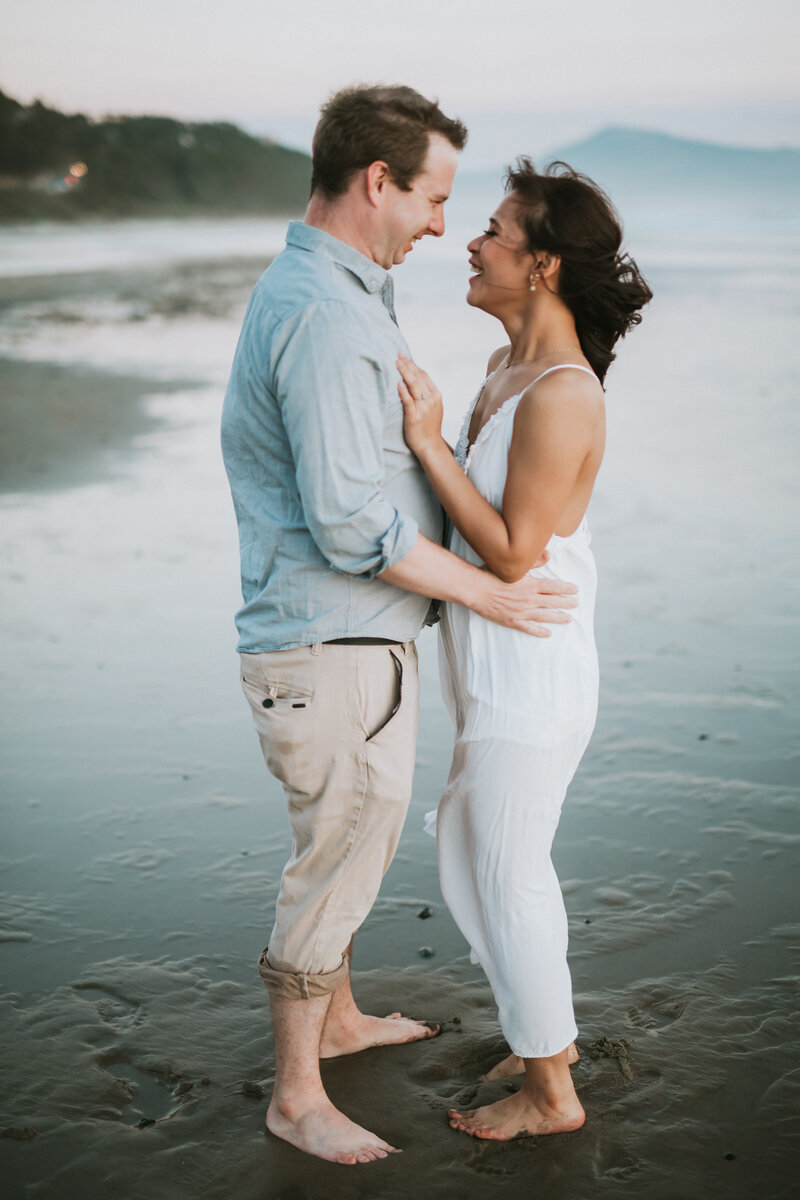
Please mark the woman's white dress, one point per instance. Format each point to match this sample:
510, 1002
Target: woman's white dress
524, 709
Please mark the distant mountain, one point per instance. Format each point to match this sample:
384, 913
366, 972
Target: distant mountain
659, 182
639, 160
59, 166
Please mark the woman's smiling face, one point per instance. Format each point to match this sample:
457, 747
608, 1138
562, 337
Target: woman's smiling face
501, 263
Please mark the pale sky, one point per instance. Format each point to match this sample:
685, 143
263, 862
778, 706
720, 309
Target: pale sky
716, 69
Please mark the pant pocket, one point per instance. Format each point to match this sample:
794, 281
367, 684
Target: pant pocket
277, 695
372, 727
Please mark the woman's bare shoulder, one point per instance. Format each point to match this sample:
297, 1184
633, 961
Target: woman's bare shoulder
565, 384
564, 401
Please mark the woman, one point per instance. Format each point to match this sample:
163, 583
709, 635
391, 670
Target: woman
549, 268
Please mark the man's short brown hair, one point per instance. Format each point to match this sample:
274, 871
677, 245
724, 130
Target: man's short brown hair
364, 124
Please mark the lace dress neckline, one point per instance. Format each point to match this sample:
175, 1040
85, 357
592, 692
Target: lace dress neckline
464, 451
486, 428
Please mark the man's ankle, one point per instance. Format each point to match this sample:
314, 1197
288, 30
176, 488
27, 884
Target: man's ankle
294, 1103
341, 1022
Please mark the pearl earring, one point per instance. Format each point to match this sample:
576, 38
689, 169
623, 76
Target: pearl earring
533, 282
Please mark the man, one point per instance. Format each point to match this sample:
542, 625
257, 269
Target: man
339, 535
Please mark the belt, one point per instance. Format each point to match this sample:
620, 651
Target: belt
362, 641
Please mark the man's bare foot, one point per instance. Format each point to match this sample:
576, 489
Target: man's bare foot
327, 1133
515, 1115
514, 1065
359, 1032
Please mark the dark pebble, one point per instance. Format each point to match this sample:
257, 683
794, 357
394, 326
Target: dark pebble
426, 951
145, 1121
424, 913
205, 1081
184, 1087
252, 1089
456, 1020
730, 1157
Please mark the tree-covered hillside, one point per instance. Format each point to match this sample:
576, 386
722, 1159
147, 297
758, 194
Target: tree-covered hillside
56, 165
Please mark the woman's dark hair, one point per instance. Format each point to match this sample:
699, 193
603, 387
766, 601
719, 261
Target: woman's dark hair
360, 125
567, 214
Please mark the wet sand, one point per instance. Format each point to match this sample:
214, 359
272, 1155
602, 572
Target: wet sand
59, 428
134, 1043
144, 840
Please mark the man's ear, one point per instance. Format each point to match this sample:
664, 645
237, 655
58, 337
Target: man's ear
378, 176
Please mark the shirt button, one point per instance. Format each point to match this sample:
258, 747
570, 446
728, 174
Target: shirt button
372, 285
267, 703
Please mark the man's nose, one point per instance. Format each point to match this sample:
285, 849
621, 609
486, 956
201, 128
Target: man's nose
436, 226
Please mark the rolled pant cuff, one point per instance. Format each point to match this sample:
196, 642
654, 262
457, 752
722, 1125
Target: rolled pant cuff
299, 986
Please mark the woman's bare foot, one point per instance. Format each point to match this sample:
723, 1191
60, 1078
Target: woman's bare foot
514, 1065
359, 1032
327, 1133
515, 1115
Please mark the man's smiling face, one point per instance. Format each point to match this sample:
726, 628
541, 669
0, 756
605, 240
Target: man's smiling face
409, 216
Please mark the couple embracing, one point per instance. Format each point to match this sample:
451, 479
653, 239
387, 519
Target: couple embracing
340, 476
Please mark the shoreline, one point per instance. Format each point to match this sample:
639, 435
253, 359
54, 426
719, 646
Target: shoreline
67, 426
153, 282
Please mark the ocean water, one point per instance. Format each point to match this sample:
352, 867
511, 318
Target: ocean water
143, 839
46, 247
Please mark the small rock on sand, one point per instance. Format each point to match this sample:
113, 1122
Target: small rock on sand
252, 1089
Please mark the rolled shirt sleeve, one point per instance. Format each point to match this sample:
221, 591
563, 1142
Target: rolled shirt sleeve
333, 393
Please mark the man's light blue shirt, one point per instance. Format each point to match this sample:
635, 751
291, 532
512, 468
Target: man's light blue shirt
327, 494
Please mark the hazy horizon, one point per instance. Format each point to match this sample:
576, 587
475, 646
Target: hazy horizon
525, 77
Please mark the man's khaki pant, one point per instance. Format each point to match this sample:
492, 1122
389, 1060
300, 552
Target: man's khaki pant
338, 727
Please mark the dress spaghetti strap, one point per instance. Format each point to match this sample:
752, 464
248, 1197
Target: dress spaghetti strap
563, 367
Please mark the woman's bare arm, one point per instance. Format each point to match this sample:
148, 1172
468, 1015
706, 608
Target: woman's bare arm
555, 428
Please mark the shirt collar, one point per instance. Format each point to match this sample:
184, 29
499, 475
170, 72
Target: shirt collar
374, 278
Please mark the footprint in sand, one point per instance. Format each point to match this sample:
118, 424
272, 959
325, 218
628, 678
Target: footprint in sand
135, 1096
138, 1097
